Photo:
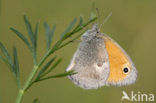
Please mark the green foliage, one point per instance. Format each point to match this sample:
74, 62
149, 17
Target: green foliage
30, 31
16, 67
20, 35
57, 76
45, 67
49, 34
7, 56
42, 72
15, 64
52, 67
69, 27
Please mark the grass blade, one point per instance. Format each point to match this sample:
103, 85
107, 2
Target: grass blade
81, 21
45, 67
29, 29
69, 28
58, 75
16, 66
52, 67
6, 54
20, 35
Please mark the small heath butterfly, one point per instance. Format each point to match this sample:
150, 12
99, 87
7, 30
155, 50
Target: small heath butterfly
100, 61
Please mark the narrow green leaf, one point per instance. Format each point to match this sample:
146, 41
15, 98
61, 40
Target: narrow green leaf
58, 75
16, 67
80, 23
6, 54
91, 20
85, 24
16, 64
47, 33
10, 66
72, 40
36, 101
67, 35
56, 46
52, 67
69, 28
29, 29
36, 36
45, 67
4, 60
52, 33
21, 36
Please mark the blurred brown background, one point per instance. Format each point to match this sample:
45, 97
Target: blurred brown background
132, 25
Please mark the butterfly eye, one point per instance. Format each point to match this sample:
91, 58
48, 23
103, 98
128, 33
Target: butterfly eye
125, 70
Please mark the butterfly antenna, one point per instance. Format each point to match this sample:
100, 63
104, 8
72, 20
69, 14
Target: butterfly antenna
98, 15
110, 14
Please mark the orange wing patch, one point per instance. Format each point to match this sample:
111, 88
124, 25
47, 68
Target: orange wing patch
117, 59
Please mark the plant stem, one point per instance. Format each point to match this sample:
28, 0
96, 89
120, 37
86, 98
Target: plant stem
30, 77
19, 96
26, 85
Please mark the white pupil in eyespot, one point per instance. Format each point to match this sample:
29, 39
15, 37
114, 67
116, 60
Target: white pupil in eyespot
125, 70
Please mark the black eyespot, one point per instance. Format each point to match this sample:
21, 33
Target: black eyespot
125, 70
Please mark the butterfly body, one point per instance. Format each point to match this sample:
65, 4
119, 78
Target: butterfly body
92, 59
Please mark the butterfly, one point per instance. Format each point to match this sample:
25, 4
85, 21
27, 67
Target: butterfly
100, 61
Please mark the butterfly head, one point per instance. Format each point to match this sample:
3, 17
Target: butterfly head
91, 33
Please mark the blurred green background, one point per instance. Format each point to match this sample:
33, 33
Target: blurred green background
132, 25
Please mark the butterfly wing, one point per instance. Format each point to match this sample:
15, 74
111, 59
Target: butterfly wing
91, 64
122, 69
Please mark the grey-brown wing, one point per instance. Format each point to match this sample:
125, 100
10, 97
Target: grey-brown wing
91, 64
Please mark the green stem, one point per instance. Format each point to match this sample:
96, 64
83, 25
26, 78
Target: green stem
19, 96
18, 82
30, 77
26, 85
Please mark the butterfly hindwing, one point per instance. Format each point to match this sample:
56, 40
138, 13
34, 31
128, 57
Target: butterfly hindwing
91, 64
122, 69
